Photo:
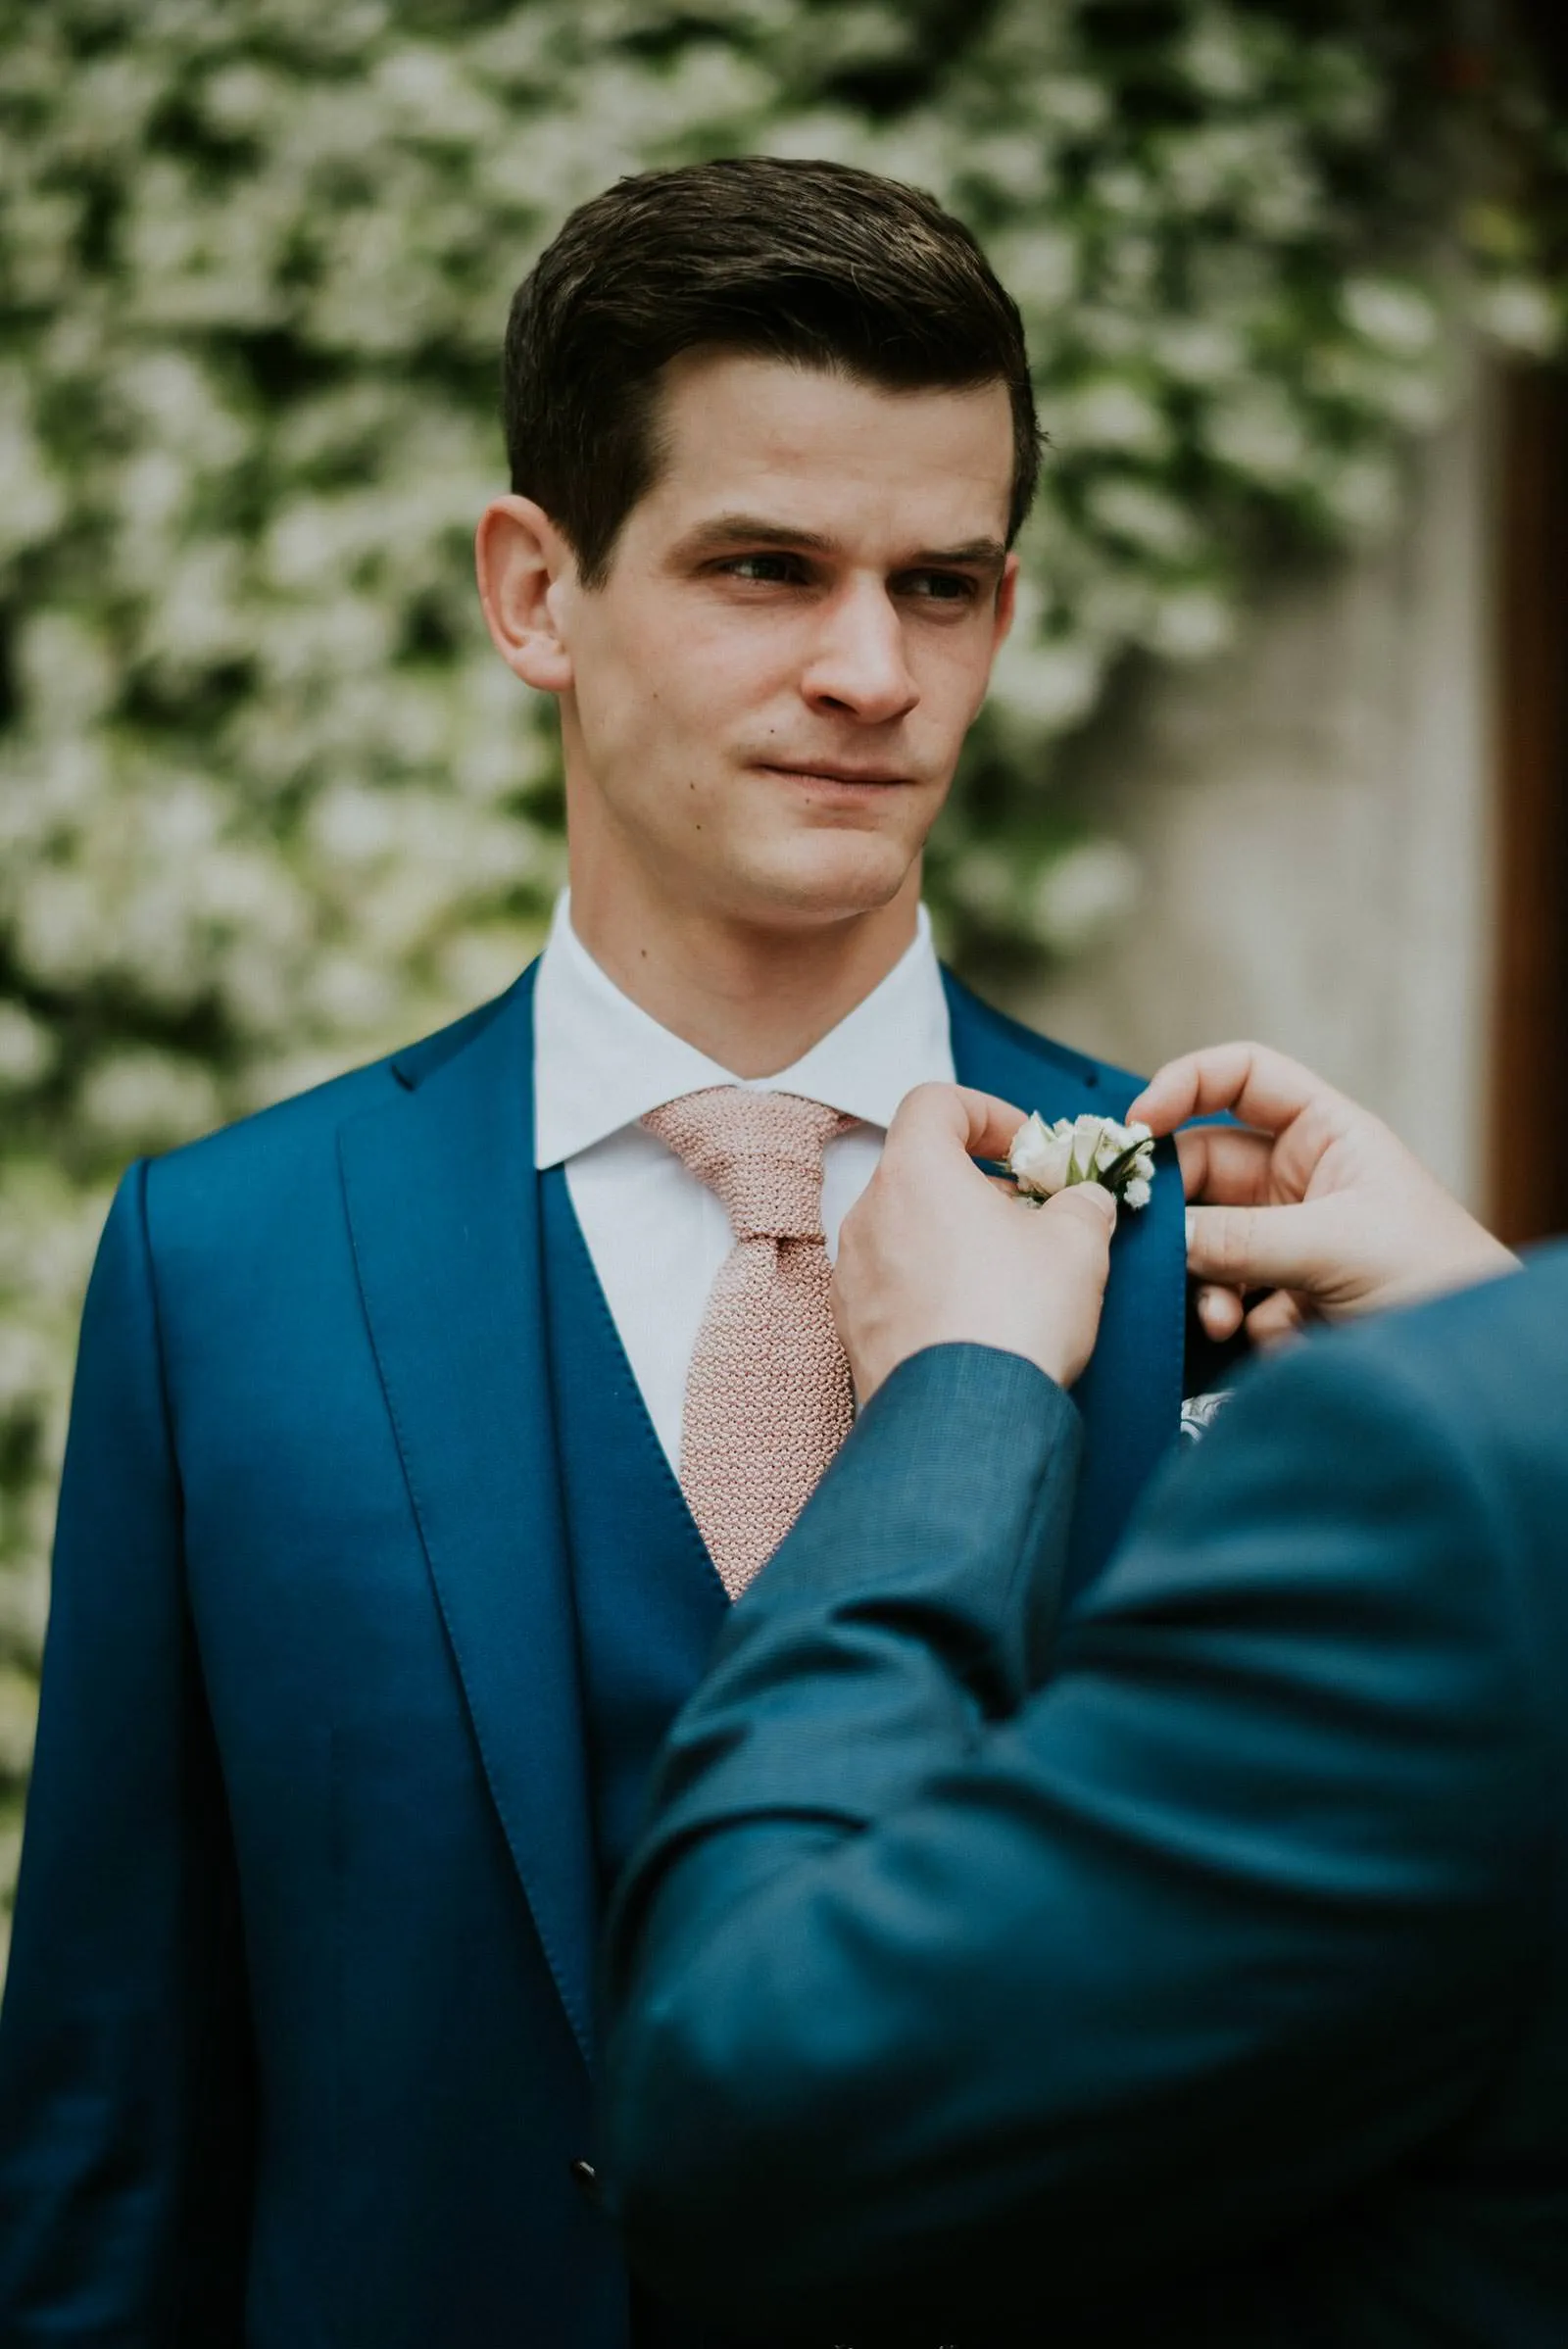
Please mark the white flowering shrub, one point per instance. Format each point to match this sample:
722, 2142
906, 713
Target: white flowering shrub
268, 803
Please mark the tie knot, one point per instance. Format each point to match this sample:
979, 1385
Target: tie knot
760, 1154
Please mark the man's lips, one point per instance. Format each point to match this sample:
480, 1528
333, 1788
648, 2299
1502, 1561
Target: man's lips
832, 770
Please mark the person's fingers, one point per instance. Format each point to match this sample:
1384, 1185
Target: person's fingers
1087, 1202
1221, 1312
949, 1119
1259, 1248
1265, 1088
1089, 1206
1276, 1319
1225, 1166
993, 1123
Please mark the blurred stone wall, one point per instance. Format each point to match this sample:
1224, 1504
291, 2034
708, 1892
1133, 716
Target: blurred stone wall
1309, 820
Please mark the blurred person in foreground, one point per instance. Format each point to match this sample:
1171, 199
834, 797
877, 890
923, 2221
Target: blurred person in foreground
426, 1426
1188, 1965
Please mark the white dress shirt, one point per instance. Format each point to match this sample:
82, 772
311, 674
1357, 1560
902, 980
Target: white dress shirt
656, 1234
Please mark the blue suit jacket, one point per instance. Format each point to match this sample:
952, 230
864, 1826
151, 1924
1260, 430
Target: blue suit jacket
297, 2037
1191, 1969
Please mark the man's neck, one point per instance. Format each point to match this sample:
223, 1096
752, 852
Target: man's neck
754, 999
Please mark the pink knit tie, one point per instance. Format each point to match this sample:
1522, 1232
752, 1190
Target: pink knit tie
768, 1396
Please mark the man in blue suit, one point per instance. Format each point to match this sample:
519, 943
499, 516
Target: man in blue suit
376, 1584
1188, 1966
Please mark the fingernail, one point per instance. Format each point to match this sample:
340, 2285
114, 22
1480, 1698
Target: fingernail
1191, 1229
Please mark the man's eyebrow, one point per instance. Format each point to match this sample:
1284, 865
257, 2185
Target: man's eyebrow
759, 530
756, 530
989, 552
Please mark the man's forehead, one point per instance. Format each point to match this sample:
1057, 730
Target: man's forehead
739, 434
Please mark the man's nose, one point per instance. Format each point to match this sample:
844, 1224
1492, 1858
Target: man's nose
858, 663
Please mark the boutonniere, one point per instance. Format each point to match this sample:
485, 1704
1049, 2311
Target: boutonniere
1045, 1159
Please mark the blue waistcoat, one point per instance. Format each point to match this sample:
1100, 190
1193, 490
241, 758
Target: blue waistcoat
649, 1602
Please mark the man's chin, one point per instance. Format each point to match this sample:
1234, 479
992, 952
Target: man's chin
825, 880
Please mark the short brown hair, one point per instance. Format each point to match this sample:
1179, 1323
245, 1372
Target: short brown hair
815, 263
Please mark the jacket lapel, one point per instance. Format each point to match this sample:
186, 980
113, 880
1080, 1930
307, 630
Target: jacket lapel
1131, 1394
443, 1206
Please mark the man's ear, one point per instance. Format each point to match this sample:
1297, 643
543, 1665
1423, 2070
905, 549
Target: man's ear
522, 558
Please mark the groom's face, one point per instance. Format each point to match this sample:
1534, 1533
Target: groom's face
770, 688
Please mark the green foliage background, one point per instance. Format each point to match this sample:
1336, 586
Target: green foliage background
268, 803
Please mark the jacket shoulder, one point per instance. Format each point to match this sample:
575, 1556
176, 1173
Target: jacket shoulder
1489, 1353
284, 1142
1489, 1362
1460, 1397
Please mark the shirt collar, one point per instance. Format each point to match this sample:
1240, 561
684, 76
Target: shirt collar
601, 1061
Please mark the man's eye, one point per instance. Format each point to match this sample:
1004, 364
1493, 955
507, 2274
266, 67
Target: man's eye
766, 570
941, 587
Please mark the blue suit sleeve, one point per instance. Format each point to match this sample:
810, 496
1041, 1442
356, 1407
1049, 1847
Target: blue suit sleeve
124, 2078
964, 1954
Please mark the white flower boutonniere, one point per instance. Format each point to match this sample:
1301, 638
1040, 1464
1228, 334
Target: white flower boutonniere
1045, 1159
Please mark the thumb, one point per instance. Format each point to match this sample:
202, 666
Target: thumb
1090, 1202
1260, 1248
1073, 1241
1090, 1213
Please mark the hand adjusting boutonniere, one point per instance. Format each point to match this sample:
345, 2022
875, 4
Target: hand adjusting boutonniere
1045, 1159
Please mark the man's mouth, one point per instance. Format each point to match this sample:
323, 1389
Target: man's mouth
835, 772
